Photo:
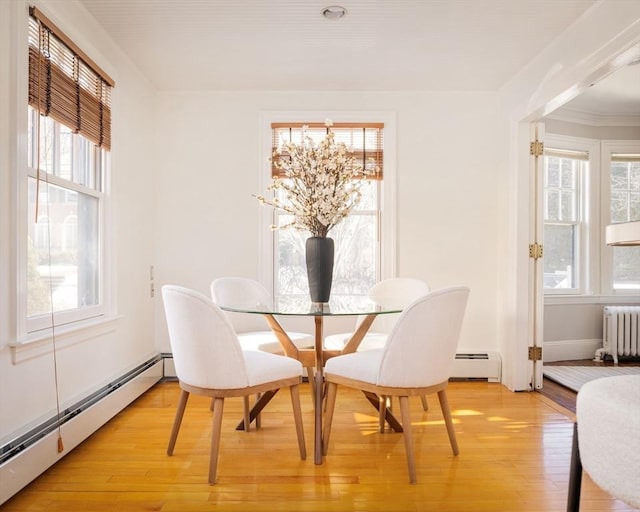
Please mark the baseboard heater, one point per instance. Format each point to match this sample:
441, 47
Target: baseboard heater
26, 457
479, 365
470, 366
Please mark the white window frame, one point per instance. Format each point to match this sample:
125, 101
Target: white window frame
33, 340
387, 221
598, 258
587, 214
610, 147
32, 328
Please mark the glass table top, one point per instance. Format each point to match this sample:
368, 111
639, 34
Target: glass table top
302, 306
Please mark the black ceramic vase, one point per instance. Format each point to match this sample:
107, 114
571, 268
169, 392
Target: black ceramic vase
319, 255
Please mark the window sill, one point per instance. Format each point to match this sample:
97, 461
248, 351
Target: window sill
40, 343
591, 299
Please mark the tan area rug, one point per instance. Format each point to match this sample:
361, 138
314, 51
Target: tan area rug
573, 377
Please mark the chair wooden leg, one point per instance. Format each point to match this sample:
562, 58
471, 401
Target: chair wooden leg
182, 404
245, 409
575, 474
218, 406
258, 422
446, 412
408, 441
297, 416
382, 410
425, 405
312, 382
332, 390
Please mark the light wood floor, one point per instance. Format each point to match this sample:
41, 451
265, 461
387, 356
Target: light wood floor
514, 456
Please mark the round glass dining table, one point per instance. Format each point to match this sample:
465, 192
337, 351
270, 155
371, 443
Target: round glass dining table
314, 358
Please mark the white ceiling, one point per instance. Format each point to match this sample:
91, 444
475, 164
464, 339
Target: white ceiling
288, 45
616, 95
382, 45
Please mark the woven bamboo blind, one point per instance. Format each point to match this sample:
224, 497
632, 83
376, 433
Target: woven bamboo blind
366, 140
66, 84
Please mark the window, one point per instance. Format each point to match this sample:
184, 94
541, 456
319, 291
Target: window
587, 185
564, 181
67, 160
624, 206
364, 242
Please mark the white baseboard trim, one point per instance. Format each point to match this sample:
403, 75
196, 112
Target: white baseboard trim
27, 460
570, 350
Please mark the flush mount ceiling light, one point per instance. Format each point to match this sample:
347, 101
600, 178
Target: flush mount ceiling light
334, 12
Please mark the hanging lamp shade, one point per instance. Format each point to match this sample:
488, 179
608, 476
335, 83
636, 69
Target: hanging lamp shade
623, 233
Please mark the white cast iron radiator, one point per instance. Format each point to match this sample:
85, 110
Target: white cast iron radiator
620, 332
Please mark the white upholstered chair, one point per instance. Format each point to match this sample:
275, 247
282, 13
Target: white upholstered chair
252, 330
606, 442
209, 361
416, 359
396, 291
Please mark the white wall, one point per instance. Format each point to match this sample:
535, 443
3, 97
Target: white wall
91, 358
572, 331
447, 190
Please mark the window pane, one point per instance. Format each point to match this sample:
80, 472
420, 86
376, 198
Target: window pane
290, 262
618, 207
63, 258
552, 205
355, 258
625, 206
568, 206
354, 269
626, 268
634, 175
634, 205
619, 176
561, 188
47, 144
553, 172
560, 256
369, 191
66, 153
568, 171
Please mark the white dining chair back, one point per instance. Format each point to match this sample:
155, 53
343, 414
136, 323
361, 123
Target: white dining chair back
393, 293
252, 329
209, 361
416, 360
421, 348
242, 292
396, 292
205, 349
